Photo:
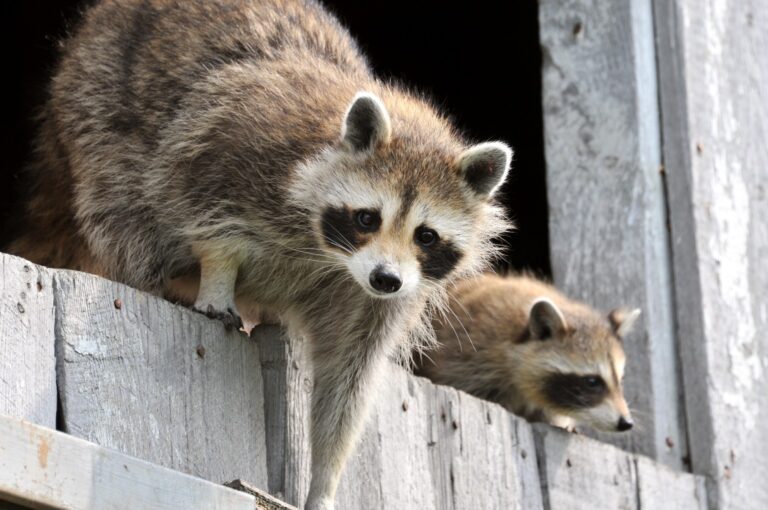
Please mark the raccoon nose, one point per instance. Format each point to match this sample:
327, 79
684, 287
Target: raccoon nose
384, 280
624, 424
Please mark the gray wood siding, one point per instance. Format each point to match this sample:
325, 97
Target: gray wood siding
713, 76
608, 232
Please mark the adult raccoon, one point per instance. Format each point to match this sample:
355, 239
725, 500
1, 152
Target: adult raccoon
246, 145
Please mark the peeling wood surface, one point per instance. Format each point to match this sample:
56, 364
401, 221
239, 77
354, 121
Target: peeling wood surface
608, 232
713, 70
157, 381
27, 363
43, 468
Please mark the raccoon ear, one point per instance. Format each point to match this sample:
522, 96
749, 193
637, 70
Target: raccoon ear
545, 320
485, 166
366, 123
622, 320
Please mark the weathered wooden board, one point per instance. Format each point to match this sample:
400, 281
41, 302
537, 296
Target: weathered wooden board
608, 235
27, 362
159, 382
43, 468
287, 393
578, 472
713, 70
424, 446
661, 487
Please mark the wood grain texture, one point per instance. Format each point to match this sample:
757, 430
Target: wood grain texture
43, 468
578, 472
157, 381
264, 501
608, 235
660, 487
423, 447
287, 392
713, 70
27, 361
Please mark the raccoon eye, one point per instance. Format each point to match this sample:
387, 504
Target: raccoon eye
592, 381
368, 221
426, 236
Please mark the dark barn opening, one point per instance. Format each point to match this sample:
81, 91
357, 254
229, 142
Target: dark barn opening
479, 61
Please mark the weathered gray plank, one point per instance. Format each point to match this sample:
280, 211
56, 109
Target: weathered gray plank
47, 469
661, 487
608, 235
264, 501
580, 473
713, 70
424, 446
159, 382
287, 393
27, 363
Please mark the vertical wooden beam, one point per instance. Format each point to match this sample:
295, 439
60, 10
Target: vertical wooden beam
608, 230
713, 78
27, 362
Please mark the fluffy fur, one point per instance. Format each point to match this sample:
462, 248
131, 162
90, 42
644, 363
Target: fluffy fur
237, 155
519, 342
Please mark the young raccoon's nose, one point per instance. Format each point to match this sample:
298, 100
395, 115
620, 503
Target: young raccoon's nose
624, 424
385, 280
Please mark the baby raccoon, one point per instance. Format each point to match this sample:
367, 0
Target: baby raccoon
246, 149
519, 342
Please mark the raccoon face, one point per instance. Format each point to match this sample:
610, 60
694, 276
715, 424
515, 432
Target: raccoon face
400, 218
584, 366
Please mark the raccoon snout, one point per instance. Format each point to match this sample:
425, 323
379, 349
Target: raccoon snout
385, 280
624, 424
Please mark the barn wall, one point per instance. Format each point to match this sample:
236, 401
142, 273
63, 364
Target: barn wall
155, 381
608, 230
713, 75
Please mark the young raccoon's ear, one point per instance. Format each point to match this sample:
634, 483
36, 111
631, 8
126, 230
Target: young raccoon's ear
622, 320
485, 166
545, 320
366, 123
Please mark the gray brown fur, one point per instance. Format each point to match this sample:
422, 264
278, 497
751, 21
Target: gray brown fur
519, 342
191, 148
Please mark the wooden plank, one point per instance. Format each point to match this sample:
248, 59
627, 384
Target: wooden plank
713, 67
608, 236
430, 446
264, 501
27, 362
157, 381
287, 392
36, 469
423, 446
661, 487
580, 473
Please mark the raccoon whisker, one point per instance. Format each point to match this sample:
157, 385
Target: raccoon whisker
442, 311
349, 245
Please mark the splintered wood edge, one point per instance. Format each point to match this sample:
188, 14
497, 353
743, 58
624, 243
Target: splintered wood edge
264, 501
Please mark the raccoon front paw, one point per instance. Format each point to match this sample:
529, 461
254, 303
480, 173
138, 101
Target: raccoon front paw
230, 317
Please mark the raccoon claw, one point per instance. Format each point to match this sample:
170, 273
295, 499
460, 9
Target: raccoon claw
230, 317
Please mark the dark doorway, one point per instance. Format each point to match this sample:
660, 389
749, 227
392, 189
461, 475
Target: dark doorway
480, 61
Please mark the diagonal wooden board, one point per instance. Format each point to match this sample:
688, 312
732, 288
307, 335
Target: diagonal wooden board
43, 468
